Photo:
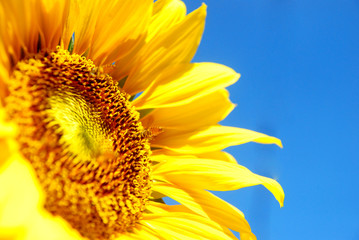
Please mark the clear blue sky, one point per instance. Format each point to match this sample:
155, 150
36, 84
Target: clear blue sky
299, 61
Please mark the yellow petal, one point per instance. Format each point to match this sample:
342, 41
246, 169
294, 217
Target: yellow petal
160, 208
20, 206
207, 110
9, 43
93, 24
51, 20
184, 226
81, 21
218, 155
155, 207
166, 13
175, 45
211, 139
141, 233
18, 195
213, 175
163, 155
182, 84
30, 21
109, 45
47, 227
207, 205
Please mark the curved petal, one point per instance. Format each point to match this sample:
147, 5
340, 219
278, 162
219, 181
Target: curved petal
155, 207
175, 45
179, 225
51, 22
213, 175
183, 83
30, 24
166, 13
81, 21
18, 195
207, 205
94, 22
44, 226
218, 155
160, 208
163, 155
121, 15
202, 112
20, 206
19, 31
141, 233
210, 139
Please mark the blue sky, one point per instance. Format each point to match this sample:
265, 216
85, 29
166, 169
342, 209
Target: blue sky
299, 61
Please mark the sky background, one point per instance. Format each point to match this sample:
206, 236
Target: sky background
299, 61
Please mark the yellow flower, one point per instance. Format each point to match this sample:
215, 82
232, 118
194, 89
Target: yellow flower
103, 115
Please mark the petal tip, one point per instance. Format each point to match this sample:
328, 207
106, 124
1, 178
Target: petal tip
204, 6
280, 195
281, 201
279, 143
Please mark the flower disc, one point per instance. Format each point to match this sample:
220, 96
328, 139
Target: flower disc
84, 140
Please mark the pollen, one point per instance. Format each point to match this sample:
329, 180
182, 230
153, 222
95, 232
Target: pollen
84, 140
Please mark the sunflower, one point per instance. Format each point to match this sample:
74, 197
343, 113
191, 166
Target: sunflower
103, 115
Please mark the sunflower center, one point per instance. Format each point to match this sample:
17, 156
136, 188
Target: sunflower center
84, 140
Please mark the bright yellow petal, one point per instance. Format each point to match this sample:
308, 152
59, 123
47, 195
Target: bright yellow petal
81, 21
33, 24
155, 207
47, 227
213, 175
115, 35
211, 139
20, 206
218, 155
18, 195
166, 13
163, 155
207, 110
175, 45
182, 84
141, 233
207, 205
94, 23
184, 226
51, 21
20, 32
160, 208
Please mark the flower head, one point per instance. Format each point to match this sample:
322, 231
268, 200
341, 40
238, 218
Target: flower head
103, 115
